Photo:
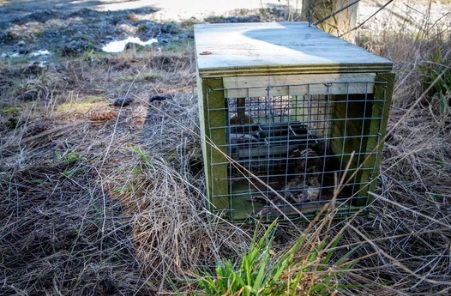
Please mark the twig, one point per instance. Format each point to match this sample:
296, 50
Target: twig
371, 16
447, 226
335, 13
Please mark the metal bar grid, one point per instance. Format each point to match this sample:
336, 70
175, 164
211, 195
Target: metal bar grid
285, 151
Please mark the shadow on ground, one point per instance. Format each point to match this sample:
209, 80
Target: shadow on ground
62, 234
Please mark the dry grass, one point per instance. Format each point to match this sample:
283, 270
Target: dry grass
82, 198
409, 229
61, 232
117, 206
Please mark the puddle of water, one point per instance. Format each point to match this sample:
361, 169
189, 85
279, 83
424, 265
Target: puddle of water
10, 55
118, 46
39, 53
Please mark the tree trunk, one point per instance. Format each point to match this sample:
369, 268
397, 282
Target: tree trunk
339, 24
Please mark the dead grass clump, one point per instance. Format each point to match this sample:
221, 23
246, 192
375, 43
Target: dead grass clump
24, 83
169, 232
61, 234
101, 115
409, 231
161, 187
412, 223
171, 126
173, 233
410, 35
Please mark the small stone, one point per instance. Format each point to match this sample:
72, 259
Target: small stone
23, 51
76, 47
34, 68
123, 102
13, 122
160, 98
133, 46
27, 96
35, 129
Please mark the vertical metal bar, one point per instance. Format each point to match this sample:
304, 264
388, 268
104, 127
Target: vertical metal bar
268, 148
210, 146
249, 165
345, 137
362, 135
344, 131
327, 99
309, 107
229, 165
379, 133
287, 160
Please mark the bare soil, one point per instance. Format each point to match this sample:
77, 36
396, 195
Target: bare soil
68, 28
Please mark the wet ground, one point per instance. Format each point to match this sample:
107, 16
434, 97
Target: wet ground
38, 30
43, 30
35, 30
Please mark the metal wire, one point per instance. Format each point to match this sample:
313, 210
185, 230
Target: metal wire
335, 12
297, 144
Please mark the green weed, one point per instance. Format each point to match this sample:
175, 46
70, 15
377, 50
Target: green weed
262, 272
10, 110
145, 157
437, 64
68, 158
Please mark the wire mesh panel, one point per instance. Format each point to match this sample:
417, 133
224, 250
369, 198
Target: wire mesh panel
281, 150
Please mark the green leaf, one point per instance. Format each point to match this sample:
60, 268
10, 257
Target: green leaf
258, 283
348, 254
329, 254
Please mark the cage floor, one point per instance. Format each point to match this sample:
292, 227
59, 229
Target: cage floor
252, 203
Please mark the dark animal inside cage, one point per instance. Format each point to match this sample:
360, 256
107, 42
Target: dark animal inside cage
290, 158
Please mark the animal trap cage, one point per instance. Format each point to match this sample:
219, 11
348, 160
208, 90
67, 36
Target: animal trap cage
287, 111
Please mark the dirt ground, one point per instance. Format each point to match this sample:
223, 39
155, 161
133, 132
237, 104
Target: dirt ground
38, 29
161, 9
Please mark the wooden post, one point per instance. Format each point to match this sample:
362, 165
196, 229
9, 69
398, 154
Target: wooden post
340, 23
213, 125
382, 92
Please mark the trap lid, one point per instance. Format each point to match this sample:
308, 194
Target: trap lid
236, 49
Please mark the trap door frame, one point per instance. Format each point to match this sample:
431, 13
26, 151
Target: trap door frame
214, 123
